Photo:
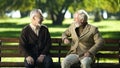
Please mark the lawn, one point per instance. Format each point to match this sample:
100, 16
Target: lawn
13, 27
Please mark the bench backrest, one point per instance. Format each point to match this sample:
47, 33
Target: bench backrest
110, 50
9, 48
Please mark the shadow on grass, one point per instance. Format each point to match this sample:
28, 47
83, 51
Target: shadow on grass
57, 26
103, 27
53, 34
14, 34
11, 25
10, 34
56, 34
114, 35
15, 25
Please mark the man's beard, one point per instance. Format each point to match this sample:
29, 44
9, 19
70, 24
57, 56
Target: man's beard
78, 24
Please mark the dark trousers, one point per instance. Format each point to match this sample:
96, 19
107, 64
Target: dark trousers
47, 63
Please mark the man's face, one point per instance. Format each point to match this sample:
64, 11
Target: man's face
77, 20
38, 18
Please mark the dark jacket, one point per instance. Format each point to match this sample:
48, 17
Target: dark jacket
33, 45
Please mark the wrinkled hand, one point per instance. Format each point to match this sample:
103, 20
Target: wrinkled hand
40, 58
30, 60
66, 41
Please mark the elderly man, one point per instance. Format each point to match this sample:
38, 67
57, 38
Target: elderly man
35, 42
86, 41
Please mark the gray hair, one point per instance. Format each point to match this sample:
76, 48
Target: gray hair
82, 15
33, 12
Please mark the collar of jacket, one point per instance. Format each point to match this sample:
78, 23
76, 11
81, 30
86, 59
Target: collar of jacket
85, 31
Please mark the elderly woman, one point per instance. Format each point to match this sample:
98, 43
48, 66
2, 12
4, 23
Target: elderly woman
86, 41
35, 42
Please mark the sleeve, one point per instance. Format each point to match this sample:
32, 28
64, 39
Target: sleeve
99, 42
66, 34
47, 43
23, 43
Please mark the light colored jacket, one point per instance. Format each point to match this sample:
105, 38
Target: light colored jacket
90, 40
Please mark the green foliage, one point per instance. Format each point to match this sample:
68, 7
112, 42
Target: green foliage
111, 6
57, 8
22, 5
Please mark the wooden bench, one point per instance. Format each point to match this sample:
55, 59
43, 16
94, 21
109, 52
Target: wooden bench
110, 51
9, 49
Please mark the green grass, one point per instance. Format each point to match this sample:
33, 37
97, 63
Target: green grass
109, 28
13, 27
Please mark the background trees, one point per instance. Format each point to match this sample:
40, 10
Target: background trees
97, 6
56, 9
22, 5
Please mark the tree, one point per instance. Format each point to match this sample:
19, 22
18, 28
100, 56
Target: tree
56, 9
113, 6
96, 6
89, 6
22, 5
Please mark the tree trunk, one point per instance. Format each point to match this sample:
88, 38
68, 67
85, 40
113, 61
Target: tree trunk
2, 14
59, 19
118, 16
97, 16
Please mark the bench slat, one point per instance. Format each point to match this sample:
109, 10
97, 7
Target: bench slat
105, 48
110, 48
16, 40
17, 48
12, 64
11, 55
108, 55
9, 48
10, 40
20, 55
107, 40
